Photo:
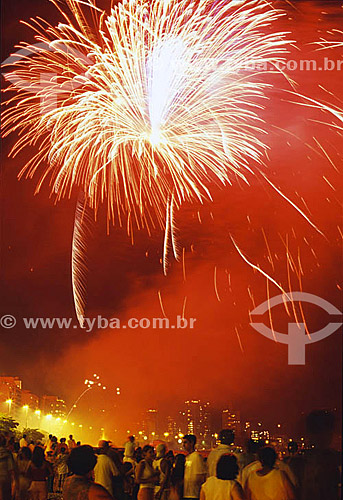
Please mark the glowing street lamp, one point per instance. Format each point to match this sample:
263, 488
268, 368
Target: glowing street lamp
49, 419
9, 402
26, 409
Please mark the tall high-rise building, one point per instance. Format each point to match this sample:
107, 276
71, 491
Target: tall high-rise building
172, 427
54, 406
29, 399
10, 390
197, 420
231, 419
150, 423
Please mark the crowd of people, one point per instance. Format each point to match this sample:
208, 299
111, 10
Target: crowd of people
71, 471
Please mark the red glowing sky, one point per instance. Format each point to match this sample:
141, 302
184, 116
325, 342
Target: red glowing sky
163, 368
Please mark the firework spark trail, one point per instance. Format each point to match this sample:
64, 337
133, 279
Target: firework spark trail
79, 263
293, 205
161, 303
215, 283
166, 243
257, 268
173, 229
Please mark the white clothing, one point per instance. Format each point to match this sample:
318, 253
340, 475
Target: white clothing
247, 470
23, 443
218, 489
129, 449
71, 444
254, 466
273, 486
104, 471
214, 456
195, 471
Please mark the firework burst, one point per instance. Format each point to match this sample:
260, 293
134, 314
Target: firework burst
144, 108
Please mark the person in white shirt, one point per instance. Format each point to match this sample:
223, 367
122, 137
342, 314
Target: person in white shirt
105, 469
71, 442
224, 485
195, 470
226, 438
130, 451
163, 466
269, 482
23, 443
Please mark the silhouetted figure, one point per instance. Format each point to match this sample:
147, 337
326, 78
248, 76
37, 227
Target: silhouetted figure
321, 463
176, 477
7, 468
81, 463
295, 462
39, 471
24, 482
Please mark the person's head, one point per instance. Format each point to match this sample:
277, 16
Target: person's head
320, 427
250, 446
131, 438
24, 436
81, 460
25, 453
63, 450
170, 456
70, 436
50, 436
161, 450
267, 456
148, 453
226, 436
2, 440
227, 467
78, 443
62, 440
179, 467
189, 442
292, 447
103, 446
38, 456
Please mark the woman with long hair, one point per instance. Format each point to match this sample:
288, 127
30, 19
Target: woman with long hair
38, 472
146, 476
176, 477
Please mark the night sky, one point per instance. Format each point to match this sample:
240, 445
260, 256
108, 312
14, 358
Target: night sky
223, 360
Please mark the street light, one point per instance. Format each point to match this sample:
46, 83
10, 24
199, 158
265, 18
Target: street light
26, 408
49, 419
9, 402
